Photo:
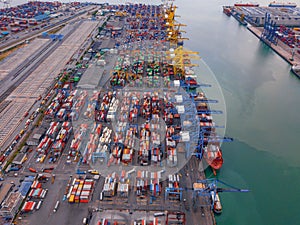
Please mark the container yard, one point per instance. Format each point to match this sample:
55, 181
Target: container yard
114, 127
276, 25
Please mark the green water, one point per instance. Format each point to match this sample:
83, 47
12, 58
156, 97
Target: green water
263, 104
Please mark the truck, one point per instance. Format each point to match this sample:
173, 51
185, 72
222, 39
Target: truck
94, 172
39, 205
32, 170
79, 172
56, 206
14, 168
84, 221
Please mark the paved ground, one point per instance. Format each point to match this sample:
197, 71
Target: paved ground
39, 80
14, 60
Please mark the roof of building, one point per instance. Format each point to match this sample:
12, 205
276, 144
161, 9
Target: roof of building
91, 77
41, 17
19, 158
107, 44
11, 201
25, 185
4, 191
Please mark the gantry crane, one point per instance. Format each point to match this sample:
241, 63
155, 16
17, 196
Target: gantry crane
121, 13
208, 189
174, 34
170, 14
181, 58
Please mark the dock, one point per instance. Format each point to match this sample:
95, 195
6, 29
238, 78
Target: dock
277, 26
106, 122
280, 48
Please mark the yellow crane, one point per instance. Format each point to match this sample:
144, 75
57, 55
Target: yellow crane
181, 58
120, 13
170, 14
174, 34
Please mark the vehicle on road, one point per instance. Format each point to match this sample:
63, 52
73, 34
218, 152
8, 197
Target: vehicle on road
56, 206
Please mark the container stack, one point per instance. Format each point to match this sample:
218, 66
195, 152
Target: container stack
155, 139
110, 185
46, 143
28, 206
171, 152
155, 185
106, 136
103, 105
144, 151
55, 105
129, 144
113, 106
53, 130
79, 102
62, 137
173, 181
90, 110
61, 114
122, 120
79, 135
80, 190
116, 153
104, 141
44, 146
123, 185
37, 193
151, 181
141, 182
92, 143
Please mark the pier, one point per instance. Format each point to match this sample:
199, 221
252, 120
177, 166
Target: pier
281, 49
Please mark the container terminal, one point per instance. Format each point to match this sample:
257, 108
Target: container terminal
277, 25
105, 121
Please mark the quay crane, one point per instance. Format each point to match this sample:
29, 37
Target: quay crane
170, 13
269, 32
181, 58
209, 189
174, 34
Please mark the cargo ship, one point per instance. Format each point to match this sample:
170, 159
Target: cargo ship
217, 203
240, 18
283, 4
296, 70
212, 152
227, 10
213, 156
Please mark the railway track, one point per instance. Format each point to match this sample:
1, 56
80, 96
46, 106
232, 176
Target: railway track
18, 75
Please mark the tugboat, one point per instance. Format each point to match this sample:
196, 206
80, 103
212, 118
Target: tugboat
296, 70
217, 203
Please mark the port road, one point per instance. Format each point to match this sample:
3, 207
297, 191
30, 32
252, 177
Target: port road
19, 74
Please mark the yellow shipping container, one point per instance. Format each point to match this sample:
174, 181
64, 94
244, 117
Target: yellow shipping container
42, 159
71, 199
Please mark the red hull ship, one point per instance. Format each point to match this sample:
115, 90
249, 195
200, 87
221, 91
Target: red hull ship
246, 4
213, 156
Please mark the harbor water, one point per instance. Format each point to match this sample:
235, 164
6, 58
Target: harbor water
262, 101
